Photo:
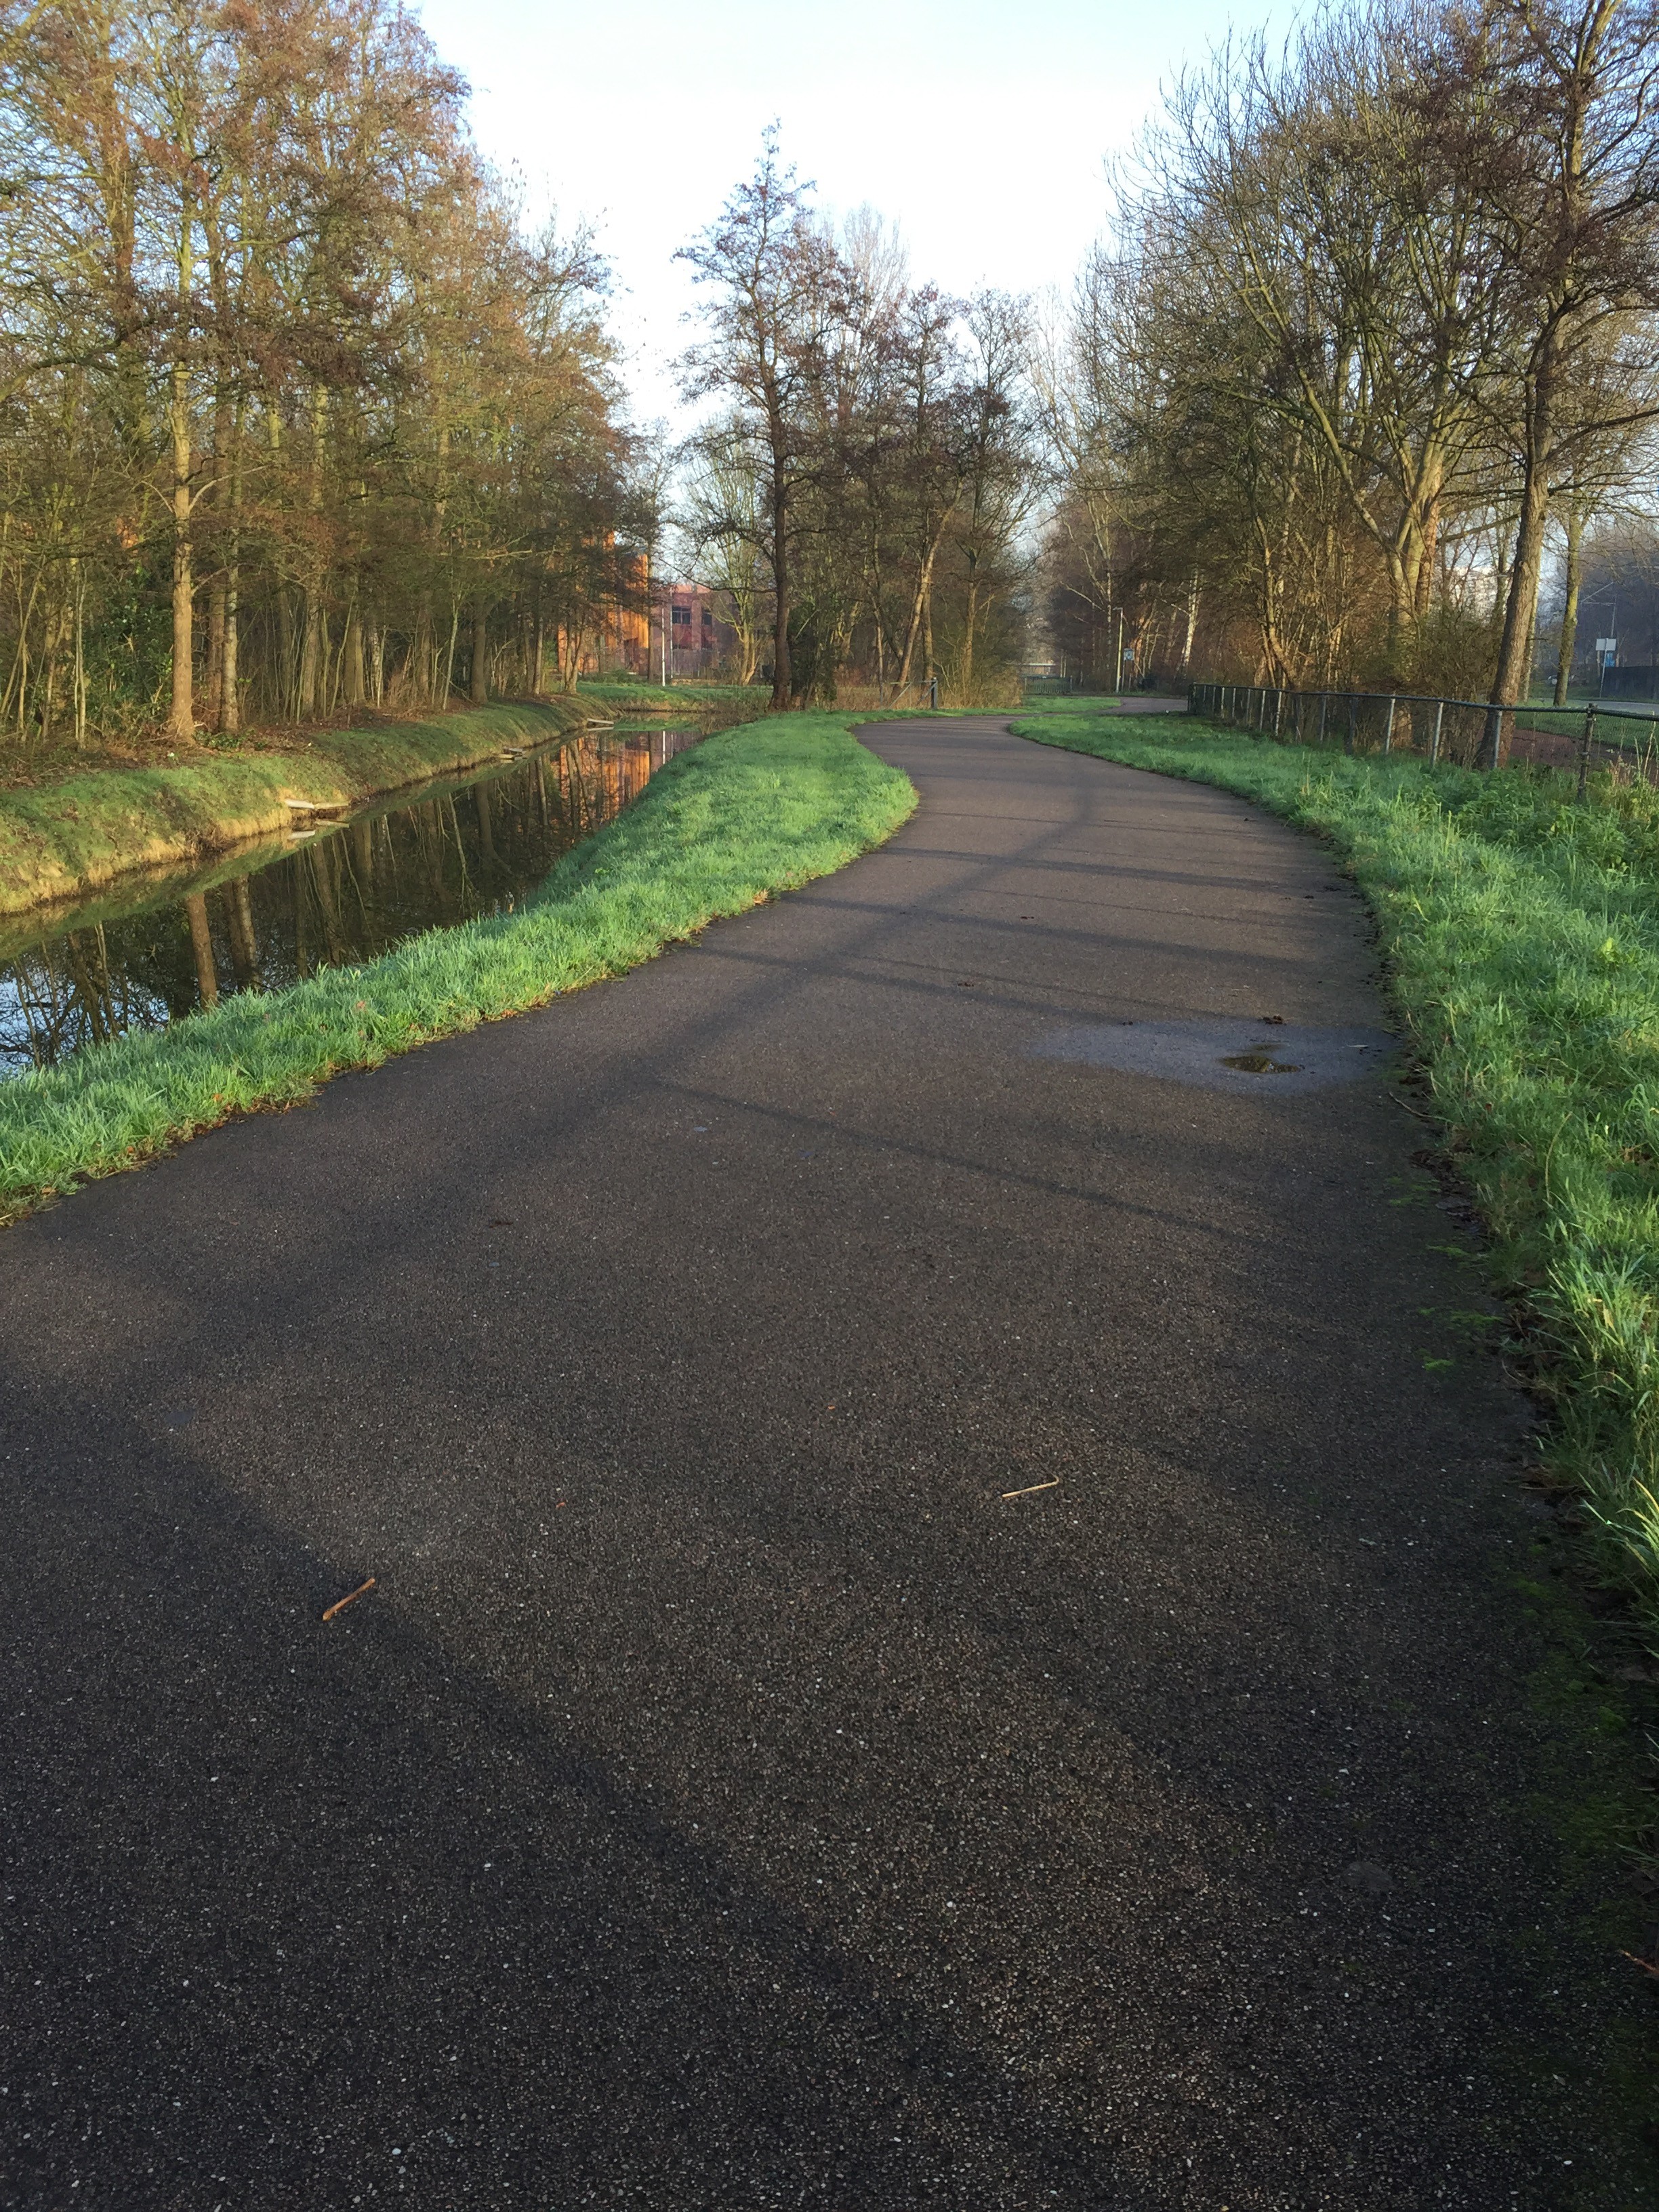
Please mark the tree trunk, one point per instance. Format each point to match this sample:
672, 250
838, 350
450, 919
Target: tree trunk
1427, 556
230, 712
449, 657
311, 657
1568, 645
780, 595
285, 665
480, 650
213, 676
181, 722
921, 606
1521, 601
354, 657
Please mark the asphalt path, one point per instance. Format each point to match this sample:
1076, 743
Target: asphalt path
729, 1796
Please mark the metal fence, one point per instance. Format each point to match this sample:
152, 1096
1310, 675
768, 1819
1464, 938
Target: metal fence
1470, 732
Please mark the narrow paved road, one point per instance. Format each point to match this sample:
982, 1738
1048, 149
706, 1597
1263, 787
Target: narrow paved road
729, 1797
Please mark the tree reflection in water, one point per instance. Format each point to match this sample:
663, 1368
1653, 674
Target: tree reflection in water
339, 897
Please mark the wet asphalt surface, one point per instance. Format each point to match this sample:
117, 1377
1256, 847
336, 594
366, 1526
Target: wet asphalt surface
727, 1797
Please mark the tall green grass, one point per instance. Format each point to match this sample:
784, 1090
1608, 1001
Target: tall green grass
751, 813
1522, 930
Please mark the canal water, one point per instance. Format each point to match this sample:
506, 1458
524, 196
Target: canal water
333, 893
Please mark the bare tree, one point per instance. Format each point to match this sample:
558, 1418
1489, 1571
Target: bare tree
771, 281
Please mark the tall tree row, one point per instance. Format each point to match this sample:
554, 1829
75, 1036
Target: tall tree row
1378, 318
859, 492
294, 417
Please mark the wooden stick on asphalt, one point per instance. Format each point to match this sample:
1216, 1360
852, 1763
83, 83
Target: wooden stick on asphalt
1030, 1486
340, 1604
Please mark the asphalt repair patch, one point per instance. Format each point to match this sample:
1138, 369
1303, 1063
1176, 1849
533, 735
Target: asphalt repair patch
1249, 1054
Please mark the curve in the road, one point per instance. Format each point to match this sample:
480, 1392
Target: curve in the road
935, 1640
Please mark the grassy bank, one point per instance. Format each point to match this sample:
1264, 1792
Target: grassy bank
1522, 932
67, 838
753, 811
623, 694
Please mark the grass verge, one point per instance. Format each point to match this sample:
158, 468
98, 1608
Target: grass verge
749, 813
1522, 932
67, 838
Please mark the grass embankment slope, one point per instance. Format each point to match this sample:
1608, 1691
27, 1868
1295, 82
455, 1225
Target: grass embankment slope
1522, 932
691, 698
751, 812
66, 839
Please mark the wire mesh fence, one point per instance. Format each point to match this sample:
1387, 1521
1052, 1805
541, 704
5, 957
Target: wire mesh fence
1466, 732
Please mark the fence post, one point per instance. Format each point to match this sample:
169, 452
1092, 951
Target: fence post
1584, 744
1279, 710
1324, 711
1352, 717
1387, 731
1434, 742
1489, 742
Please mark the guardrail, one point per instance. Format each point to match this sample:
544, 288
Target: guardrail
1472, 733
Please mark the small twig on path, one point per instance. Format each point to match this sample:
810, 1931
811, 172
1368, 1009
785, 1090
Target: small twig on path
1030, 1486
340, 1604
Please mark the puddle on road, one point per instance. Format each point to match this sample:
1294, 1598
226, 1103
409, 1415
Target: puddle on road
335, 892
1222, 1056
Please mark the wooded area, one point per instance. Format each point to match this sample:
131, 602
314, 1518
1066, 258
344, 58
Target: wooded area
861, 493
1376, 319
295, 418
300, 418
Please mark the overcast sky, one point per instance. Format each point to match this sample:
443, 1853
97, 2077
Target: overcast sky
979, 125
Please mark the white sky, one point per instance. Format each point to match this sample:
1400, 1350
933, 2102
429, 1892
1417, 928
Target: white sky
979, 126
